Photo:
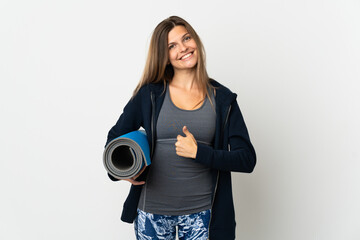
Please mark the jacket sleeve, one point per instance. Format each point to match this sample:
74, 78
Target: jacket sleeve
241, 157
130, 120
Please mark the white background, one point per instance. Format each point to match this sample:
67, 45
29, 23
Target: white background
67, 69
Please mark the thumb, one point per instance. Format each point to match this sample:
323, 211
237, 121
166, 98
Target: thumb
188, 134
186, 131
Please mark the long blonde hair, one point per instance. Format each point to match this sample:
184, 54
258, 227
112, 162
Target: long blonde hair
157, 68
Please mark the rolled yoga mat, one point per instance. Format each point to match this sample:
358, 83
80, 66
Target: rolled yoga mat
126, 155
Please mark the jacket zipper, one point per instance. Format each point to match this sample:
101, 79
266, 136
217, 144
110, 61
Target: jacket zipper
152, 136
217, 176
152, 124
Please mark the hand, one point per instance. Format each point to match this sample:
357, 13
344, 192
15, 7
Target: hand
186, 146
133, 181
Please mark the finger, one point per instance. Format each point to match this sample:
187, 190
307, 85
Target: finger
181, 154
136, 183
188, 133
179, 137
178, 153
133, 182
180, 150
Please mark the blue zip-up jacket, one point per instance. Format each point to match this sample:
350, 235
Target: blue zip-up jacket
232, 151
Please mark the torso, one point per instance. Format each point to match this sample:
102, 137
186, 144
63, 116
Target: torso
177, 185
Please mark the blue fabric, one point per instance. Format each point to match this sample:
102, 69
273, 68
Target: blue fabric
232, 151
163, 227
139, 137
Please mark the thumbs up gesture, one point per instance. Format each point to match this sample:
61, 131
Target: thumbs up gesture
186, 146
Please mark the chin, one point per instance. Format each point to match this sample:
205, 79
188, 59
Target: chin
186, 68
189, 66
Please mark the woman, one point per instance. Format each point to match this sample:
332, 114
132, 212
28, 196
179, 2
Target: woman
197, 136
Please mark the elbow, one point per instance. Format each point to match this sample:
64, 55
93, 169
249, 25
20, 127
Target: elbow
252, 163
251, 169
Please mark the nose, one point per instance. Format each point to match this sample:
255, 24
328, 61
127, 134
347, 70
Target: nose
182, 47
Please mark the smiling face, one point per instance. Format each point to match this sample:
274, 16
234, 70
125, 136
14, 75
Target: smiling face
182, 49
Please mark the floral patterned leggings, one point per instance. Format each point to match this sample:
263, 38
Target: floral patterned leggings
150, 226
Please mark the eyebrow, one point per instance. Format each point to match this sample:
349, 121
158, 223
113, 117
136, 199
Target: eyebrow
181, 37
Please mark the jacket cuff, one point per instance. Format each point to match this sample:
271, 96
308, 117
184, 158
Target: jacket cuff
204, 154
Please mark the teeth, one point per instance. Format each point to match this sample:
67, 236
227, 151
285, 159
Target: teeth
186, 56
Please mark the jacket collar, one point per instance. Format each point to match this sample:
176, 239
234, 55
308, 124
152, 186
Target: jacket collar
224, 96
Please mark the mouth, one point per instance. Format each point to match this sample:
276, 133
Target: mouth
186, 56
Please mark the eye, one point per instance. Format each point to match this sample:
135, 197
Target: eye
171, 46
187, 38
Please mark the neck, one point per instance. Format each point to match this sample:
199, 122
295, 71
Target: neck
184, 79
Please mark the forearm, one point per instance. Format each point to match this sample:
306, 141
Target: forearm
240, 160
